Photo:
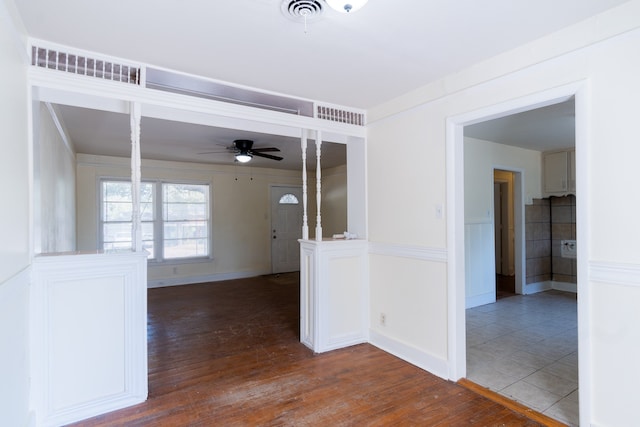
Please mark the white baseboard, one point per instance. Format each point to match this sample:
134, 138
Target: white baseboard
342, 343
408, 353
533, 288
477, 300
547, 285
177, 281
565, 286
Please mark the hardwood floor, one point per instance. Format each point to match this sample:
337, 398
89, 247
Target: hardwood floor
228, 354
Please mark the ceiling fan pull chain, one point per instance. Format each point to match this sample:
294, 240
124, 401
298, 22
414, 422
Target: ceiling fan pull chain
304, 14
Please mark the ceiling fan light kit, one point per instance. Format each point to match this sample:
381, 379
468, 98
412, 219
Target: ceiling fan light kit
243, 157
346, 6
244, 151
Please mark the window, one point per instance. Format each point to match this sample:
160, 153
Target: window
117, 215
288, 199
185, 214
175, 218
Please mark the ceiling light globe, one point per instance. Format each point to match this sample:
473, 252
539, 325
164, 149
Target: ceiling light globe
346, 6
243, 157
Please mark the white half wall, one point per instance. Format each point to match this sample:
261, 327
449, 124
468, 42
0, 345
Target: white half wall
89, 335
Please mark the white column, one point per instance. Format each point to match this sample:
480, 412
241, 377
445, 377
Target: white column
318, 185
305, 222
136, 176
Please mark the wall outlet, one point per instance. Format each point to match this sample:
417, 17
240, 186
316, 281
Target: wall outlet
175, 270
383, 319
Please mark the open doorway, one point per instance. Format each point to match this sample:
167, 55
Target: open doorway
504, 233
462, 194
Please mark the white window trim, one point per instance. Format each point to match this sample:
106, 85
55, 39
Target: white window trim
158, 220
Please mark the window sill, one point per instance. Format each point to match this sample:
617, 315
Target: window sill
178, 261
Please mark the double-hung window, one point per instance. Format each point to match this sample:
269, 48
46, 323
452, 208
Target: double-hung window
175, 218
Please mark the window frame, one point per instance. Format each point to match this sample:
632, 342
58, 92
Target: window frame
158, 256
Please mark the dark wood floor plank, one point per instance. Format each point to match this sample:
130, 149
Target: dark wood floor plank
228, 354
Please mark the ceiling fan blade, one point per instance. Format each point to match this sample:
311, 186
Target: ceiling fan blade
267, 156
262, 150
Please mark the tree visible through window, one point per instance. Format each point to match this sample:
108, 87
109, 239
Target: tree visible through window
185, 213
181, 231
117, 215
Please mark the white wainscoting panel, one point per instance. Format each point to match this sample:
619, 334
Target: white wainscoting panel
480, 268
89, 335
333, 299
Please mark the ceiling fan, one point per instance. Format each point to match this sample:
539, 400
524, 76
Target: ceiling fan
244, 151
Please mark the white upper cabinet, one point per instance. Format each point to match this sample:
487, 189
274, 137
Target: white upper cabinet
559, 172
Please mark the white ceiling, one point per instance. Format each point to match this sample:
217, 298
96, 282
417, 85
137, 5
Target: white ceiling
542, 129
359, 60
108, 134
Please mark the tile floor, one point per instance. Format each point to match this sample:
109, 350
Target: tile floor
525, 347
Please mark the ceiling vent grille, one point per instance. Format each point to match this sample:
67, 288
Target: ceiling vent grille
302, 10
340, 115
85, 65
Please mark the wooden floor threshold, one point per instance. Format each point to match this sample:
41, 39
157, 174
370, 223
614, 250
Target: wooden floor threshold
511, 404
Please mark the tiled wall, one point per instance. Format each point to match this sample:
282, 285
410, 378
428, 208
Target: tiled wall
563, 226
547, 222
538, 240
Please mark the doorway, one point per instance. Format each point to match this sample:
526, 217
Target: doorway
504, 232
286, 228
457, 251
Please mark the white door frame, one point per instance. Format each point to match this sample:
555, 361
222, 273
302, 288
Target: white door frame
455, 225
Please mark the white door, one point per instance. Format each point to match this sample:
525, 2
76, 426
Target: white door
286, 228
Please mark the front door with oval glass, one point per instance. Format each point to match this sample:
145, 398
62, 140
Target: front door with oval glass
286, 228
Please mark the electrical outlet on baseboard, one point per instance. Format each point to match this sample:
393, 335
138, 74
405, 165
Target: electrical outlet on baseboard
383, 319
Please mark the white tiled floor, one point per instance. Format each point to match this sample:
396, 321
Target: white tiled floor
525, 347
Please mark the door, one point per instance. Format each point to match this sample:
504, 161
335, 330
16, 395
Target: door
497, 224
286, 228
504, 231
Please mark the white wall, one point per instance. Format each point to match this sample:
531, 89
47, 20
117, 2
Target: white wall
403, 191
14, 222
480, 159
241, 214
54, 184
408, 238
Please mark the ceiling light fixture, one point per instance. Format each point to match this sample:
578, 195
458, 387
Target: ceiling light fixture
243, 157
346, 6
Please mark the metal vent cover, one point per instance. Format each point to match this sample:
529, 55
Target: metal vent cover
302, 10
74, 63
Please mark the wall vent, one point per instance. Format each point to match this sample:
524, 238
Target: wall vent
84, 65
340, 115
